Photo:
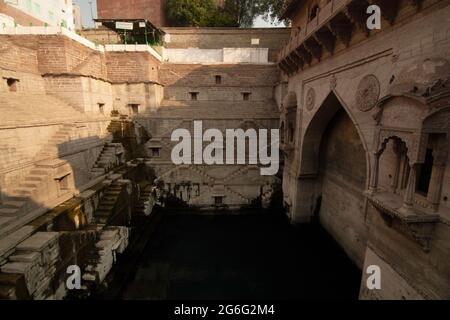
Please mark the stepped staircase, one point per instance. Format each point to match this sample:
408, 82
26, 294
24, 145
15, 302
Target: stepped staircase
239, 172
16, 107
140, 208
244, 199
107, 203
26, 194
107, 160
53, 148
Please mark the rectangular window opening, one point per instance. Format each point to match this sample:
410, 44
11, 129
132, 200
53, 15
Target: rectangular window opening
134, 108
246, 96
194, 96
12, 84
155, 152
101, 108
218, 201
218, 79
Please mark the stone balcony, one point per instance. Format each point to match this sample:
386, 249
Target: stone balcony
337, 21
415, 221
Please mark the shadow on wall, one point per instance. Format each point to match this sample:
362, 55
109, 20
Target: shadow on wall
49, 218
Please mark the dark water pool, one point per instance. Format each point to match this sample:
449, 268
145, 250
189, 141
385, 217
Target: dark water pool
241, 257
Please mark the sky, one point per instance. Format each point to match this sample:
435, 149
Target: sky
87, 16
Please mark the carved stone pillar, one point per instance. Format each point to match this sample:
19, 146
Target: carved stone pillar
410, 191
373, 187
437, 176
398, 150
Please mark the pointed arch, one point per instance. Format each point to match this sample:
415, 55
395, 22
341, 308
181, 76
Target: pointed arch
310, 146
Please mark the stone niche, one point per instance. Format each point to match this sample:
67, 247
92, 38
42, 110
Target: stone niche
288, 123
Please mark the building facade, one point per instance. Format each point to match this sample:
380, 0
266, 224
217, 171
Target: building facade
366, 136
151, 10
37, 13
364, 119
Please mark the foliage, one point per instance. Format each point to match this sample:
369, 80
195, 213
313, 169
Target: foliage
206, 13
194, 13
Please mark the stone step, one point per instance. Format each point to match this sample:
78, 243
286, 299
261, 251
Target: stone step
60, 136
104, 160
40, 172
23, 192
16, 198
108, 202
105, 207
111, 195
89, 277
96, 175
115, 188
13, 204
28, 185
102, 213
102, 220
8, 211
35, 178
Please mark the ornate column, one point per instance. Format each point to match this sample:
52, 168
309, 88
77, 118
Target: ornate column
408, 200
398, 150
373, 187
437, 176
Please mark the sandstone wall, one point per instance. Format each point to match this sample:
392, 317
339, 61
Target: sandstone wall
219, 105
343, 174
151, 10
132, 67
416, 39
218, 38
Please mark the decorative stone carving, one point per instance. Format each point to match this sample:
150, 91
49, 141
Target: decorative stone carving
418, 225
368, 93
333, 82
310, 99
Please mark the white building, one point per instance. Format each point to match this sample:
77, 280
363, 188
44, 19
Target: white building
37, 12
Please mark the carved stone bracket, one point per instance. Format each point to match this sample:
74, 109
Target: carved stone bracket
342, 28
389, 8
305, 54
292, 63
298, 59
418, 225
313, 46
417, 3
325, 37
356, 12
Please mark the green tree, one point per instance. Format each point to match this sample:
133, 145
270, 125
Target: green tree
234, 13
196, 13
246, 11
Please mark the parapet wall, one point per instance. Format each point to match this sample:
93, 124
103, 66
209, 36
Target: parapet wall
217, 38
